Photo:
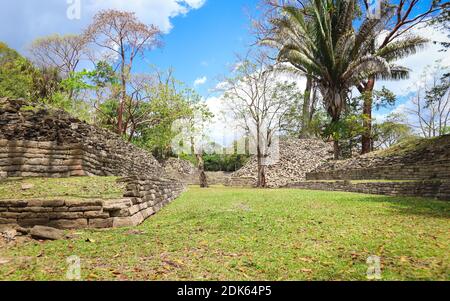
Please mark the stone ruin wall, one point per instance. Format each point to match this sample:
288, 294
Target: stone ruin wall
294, 159
143, 197
431, 162
430, 189
423, 171
50, 159
184, 171
36, 141
41, 142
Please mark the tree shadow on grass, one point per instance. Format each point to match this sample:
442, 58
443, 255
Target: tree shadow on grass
412, 205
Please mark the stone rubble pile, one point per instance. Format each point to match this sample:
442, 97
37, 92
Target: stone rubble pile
297, 157
422, 160
11, 232
179, 166
39, 141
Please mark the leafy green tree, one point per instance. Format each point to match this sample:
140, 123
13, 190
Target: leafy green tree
347, 130
397, 43
16, 74
122, 34
390, 132
153, 114
324, 44
46, 83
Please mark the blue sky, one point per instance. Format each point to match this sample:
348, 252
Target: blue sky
203, 43
201, 36
200, 41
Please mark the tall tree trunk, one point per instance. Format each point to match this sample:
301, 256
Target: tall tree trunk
336, 146
261, 170
262, 183
367, 111
336, 149
121, 109
203, 179
201, 170
304, 133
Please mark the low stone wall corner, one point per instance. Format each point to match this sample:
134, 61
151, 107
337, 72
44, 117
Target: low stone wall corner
143, 198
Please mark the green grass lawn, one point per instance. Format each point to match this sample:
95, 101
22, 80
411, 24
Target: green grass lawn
244, 234
66, 188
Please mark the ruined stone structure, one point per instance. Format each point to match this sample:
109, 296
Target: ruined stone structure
143, 197
181, 170
186, 172
297, 157
419, 168
38, 142
439, 189
428, 159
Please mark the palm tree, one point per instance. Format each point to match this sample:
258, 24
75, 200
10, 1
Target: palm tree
321, 41
391, 52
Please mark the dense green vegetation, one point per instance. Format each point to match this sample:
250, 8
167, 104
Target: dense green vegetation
329, 42
219, 162
246, 234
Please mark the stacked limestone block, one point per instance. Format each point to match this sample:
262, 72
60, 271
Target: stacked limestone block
427, 188
297, 157
429, 160
145, 197
142, 198
36, 141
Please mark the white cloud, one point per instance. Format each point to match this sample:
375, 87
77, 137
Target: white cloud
24, 20
156, 12
419, 62
200, 81
195, 3
224, 129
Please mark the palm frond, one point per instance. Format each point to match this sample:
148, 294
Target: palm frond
402, 48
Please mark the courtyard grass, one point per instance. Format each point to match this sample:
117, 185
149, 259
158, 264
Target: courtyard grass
56, 188
246, 234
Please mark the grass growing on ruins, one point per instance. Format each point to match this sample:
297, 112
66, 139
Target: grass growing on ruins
67, 188
364, 181
408, 145
244, 234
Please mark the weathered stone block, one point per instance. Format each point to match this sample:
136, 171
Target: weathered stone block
69, 224
95, 214
66, 215
9, 215
86, 208
61, 209
46, 233
38, 209
13, 203
31, 222
7, 221
83, 203
101, 223
52, 203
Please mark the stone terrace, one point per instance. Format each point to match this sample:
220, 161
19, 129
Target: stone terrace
36, 141
415, 168
142, 197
